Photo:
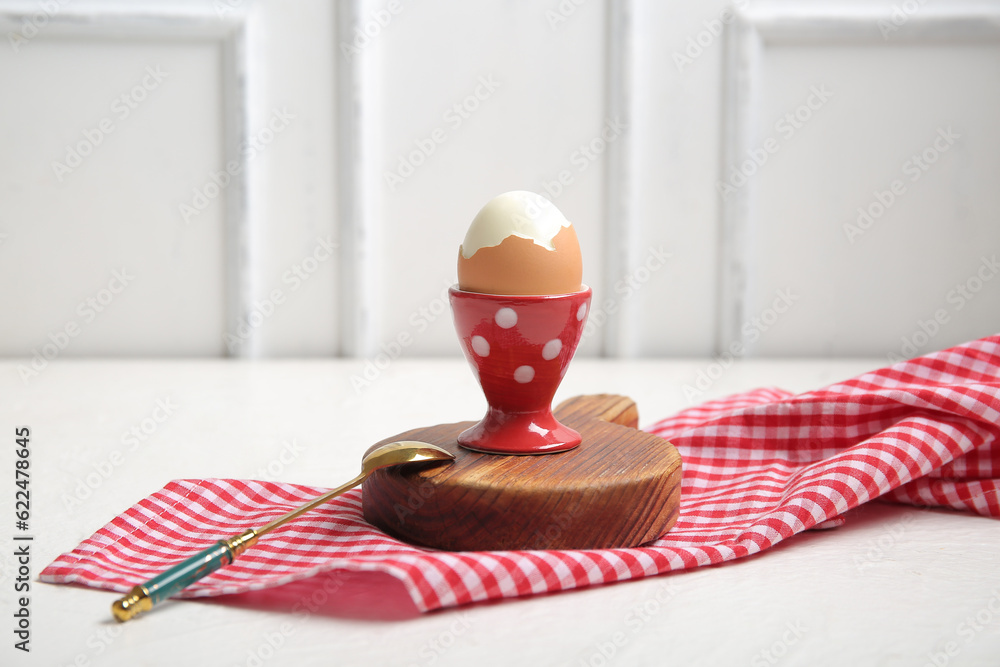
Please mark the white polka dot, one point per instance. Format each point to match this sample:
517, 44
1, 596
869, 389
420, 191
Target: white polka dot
480, 346
551, 349
505, 318
524, 374
582, 312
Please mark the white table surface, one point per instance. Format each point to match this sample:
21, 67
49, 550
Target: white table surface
894, 586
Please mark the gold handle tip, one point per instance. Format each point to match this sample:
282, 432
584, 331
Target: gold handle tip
239, 543
135, 602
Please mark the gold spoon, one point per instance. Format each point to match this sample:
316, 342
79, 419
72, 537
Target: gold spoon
162, 586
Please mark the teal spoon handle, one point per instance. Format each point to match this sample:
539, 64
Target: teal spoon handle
162, 586
180, 576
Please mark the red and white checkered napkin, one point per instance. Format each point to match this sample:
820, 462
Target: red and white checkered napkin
758, 468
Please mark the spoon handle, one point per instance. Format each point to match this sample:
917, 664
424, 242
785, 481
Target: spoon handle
170, 582
162, 586
311, 505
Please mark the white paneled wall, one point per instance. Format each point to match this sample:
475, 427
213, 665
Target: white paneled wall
713, 158
870, 219
211, 186
92, 122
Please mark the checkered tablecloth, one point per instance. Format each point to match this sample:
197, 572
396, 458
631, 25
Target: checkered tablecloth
759, 467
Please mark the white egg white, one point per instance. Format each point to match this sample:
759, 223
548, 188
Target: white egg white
517, 213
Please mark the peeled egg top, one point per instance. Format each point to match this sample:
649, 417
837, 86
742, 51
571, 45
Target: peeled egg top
520, 243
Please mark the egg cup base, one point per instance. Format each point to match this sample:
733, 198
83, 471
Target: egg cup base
520, 434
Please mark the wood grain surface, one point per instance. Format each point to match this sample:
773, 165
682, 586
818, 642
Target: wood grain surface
619, 488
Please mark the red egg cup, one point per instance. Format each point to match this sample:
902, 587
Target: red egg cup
519, 348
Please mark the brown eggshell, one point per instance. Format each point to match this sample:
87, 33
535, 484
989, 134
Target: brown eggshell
521, 266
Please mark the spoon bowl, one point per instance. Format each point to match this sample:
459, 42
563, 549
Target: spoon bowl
402, 451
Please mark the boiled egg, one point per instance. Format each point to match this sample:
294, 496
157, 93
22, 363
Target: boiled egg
520, 243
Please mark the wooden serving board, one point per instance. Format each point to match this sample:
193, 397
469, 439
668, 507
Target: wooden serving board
619, 488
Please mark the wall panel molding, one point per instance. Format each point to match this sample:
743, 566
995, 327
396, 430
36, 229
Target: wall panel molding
357, 110
621, 233
752, 31
181, 22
